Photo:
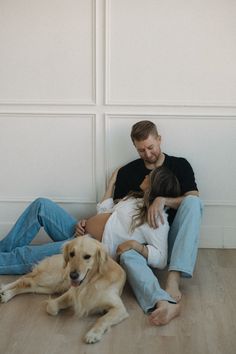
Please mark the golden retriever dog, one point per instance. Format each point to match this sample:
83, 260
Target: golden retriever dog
88, 278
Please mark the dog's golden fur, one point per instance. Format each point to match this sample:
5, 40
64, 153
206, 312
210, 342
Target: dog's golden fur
88, 278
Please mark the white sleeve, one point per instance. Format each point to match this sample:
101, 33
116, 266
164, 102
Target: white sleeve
156, 258
156, 240
106, 206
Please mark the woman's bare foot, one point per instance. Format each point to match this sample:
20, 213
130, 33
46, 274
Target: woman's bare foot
164, 313
172, 285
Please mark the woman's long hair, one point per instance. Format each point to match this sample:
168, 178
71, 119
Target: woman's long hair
163, 183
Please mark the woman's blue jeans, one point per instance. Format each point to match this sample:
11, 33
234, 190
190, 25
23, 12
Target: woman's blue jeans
183, 240
17, 254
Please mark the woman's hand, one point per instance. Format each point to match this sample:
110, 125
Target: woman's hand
132, 245
155, 212
80, 228
125, 246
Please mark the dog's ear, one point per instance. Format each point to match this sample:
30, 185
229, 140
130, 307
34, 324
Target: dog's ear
102, 258
66, 254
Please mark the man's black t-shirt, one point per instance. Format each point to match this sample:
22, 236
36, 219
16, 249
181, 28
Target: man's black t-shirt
131, 176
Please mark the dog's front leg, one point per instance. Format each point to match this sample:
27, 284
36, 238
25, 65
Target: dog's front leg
111, 318
62, 302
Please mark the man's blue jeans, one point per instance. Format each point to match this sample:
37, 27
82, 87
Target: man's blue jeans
17, 255
183, 240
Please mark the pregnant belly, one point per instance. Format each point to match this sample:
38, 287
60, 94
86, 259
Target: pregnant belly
96, 224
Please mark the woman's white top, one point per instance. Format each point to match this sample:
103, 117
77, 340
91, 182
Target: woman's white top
117, 231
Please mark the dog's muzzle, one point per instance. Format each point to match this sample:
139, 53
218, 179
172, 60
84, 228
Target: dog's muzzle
75, 278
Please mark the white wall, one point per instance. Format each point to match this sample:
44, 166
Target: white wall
76, 74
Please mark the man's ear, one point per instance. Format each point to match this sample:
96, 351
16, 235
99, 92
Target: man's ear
66, 254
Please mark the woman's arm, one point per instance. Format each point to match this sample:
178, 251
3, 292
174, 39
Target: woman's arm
134, 245
156, 258
153, 246
110, 186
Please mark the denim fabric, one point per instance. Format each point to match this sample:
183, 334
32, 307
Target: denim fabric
17, 254
142, 280
183, 242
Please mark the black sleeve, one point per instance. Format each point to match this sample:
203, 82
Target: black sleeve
121, 187
186, 177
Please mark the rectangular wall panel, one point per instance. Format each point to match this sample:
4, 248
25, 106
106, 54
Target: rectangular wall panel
171, 52
47, 52
47, 155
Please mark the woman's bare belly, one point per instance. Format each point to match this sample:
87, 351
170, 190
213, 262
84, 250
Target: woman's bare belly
96, 224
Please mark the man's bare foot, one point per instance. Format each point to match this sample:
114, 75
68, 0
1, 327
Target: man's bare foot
172, 285
164, 313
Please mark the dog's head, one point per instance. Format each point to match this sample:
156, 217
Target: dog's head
84, 256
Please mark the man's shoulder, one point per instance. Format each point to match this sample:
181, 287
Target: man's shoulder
175, 160
131, 166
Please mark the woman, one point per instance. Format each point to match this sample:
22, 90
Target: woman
123, 226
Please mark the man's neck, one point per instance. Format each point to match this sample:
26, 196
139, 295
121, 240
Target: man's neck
159, 162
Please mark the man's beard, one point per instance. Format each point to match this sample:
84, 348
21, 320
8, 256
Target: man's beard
154, 159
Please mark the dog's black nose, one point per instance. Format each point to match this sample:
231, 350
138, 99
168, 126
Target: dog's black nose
74, 275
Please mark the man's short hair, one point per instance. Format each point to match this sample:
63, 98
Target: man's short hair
140, 131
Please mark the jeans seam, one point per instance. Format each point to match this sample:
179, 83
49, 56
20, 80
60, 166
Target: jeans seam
177, 269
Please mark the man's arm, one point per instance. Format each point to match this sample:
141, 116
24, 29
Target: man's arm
156, 209
111, 184
120, 189
174, 203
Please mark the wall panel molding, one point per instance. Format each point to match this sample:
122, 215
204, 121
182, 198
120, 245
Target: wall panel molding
198, 103
109, 80
89, 101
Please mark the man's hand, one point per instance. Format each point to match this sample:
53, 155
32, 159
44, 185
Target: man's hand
80, 228
155, 212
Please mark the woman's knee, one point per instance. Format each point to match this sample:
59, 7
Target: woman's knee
42, 202
41, 206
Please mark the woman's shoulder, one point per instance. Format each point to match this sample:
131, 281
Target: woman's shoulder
131, 200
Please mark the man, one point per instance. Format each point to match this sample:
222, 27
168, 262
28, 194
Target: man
184, 217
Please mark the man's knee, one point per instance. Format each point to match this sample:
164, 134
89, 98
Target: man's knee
192, 202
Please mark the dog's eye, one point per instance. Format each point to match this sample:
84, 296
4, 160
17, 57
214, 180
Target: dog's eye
72, 254
87, 256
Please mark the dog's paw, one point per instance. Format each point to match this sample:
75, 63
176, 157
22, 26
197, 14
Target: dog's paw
52, 308
5, 296
93, 336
